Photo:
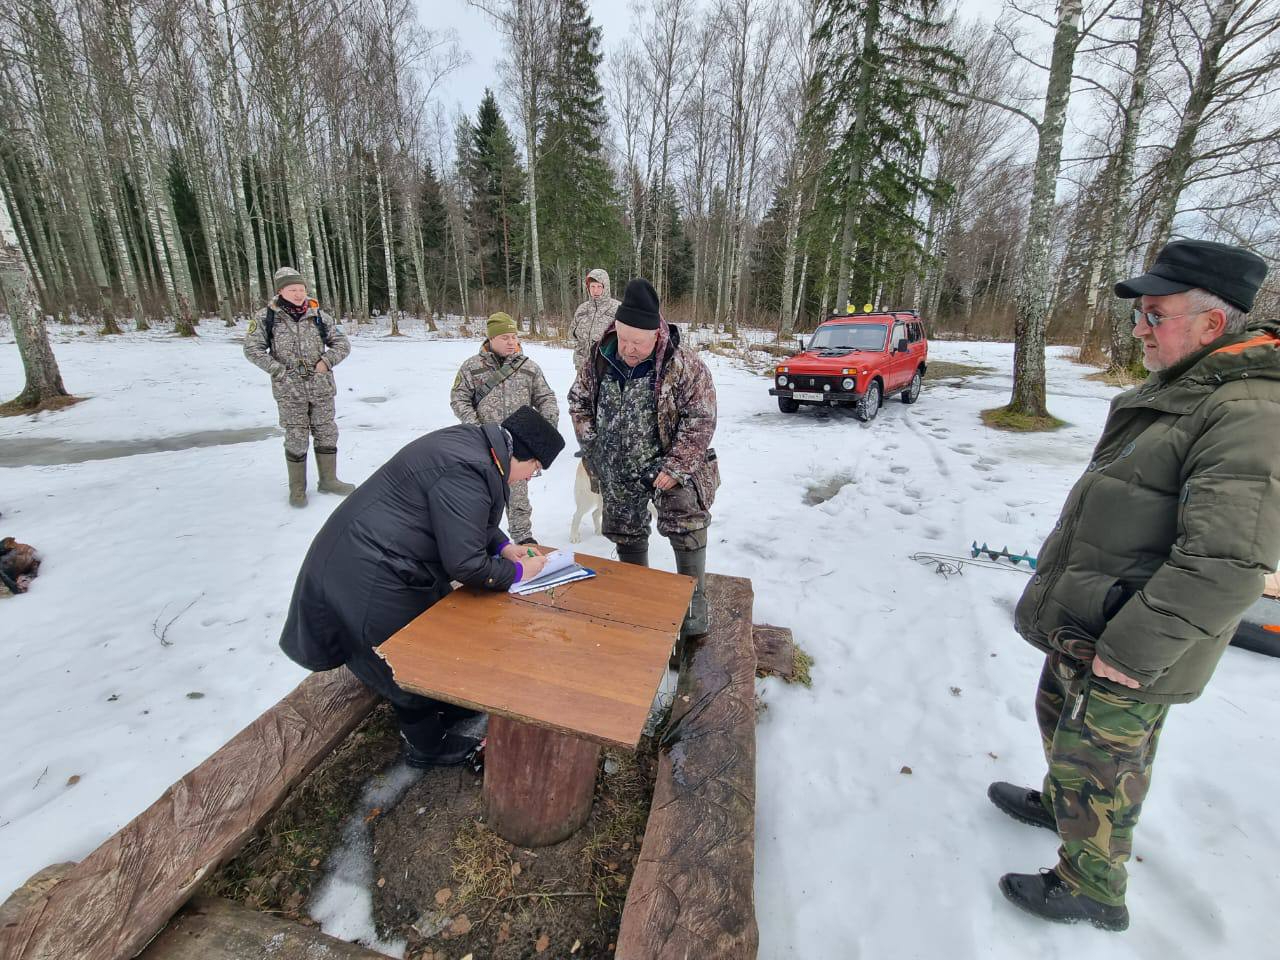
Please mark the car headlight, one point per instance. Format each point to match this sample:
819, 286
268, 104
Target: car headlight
847, 383
782, 381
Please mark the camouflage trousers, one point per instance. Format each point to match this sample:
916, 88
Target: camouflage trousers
520, 512
302, 418
681, 517
1099, 746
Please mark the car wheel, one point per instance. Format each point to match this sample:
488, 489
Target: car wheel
869, 404
912, 393
787, 405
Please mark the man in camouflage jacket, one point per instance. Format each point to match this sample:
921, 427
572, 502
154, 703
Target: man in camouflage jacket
494, 384
644, 409
1162, 545
298, 345
592, 317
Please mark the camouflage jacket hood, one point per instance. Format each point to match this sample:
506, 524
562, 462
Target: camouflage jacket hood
685, 395
591, 319
1166, 539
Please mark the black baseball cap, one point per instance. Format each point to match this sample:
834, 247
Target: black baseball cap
1232, 273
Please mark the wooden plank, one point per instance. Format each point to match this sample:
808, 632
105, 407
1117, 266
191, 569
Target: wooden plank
585, 661
692, 892
211, 928
116, 899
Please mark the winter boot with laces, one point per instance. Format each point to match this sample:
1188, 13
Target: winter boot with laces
1046, 896
1022, 803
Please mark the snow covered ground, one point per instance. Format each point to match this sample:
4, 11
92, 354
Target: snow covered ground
150, 637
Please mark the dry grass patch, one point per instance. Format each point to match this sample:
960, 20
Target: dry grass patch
1002, 418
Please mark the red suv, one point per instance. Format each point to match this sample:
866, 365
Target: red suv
857, 360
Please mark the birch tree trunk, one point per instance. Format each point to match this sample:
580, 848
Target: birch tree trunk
43, 379
1118, 206
1028, 397
1173, 169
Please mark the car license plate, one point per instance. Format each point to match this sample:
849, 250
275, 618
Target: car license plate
808, 396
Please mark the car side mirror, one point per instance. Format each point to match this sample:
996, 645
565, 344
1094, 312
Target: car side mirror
902, 345
800, 340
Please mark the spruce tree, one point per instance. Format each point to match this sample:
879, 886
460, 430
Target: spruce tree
495, 211
579, 206
885, 62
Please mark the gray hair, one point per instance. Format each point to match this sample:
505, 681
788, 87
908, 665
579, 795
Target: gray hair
1200, 299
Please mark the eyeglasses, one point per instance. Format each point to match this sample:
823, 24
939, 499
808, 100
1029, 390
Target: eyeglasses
1154, 319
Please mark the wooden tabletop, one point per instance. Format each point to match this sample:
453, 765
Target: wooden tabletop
585, 658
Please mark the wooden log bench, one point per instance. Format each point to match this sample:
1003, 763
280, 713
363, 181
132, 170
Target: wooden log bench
110, 905
691, 895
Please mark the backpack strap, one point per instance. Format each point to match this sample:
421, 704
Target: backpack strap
269, 324
496, 378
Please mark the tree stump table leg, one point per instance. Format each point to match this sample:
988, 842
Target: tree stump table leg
538, 783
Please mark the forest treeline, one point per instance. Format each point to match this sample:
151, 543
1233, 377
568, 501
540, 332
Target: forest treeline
762, 162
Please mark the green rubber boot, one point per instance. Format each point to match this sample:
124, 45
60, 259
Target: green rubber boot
636, 554
327, 465
297, 481
693, 563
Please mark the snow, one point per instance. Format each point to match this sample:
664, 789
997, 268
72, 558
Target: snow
854, 857
343, 903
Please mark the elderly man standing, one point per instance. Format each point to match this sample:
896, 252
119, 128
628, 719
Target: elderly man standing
1161, 546
298, 345
644, 409
592, 317
494, 384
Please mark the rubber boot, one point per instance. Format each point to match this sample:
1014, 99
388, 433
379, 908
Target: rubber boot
637, 554
297, 481
327, 466
693, 563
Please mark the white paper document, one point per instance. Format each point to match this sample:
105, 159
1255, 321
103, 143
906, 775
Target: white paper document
561, 568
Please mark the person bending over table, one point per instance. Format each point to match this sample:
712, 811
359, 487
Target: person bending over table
427, 517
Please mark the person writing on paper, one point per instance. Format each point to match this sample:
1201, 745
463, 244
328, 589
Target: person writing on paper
427, 517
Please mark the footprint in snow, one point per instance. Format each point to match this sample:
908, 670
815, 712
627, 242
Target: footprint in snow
900, 469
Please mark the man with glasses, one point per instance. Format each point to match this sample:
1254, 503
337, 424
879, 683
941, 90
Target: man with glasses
1162, 545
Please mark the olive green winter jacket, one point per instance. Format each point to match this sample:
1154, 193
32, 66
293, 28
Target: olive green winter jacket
1167, 537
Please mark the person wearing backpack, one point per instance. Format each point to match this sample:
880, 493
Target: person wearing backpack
298, 345
494, 384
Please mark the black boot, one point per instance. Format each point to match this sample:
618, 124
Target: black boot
1047, 897
1022, 803
693, 563
637, 554
428, 744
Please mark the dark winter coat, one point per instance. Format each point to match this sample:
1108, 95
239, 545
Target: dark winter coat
1166, 539
686, 407
429, 515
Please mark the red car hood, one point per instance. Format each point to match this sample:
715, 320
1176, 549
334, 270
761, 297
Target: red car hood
810, 362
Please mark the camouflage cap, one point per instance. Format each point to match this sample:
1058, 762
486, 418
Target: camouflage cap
285, 276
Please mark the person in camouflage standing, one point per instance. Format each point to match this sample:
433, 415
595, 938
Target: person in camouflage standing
1162, 545
299, 344
494, 384
592, 317
644, 410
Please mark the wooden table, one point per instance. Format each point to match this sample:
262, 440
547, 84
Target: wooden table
560, 673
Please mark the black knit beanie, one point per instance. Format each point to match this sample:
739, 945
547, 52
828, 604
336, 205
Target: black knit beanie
532, 438
639, 307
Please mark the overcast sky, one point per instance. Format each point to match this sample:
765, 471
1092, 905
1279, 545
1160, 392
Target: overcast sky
478, 37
